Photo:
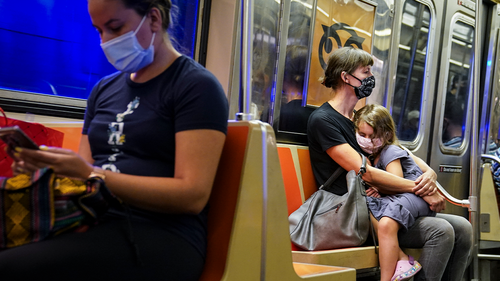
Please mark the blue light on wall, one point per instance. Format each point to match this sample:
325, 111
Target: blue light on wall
51, 47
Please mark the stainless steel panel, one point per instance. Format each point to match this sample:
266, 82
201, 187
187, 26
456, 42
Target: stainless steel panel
456, 183
418, 144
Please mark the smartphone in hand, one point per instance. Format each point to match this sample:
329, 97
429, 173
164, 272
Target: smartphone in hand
15, 137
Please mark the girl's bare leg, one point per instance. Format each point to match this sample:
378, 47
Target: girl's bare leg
389, 251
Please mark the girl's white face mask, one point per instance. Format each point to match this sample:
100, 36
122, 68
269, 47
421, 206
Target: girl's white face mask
126, 54
369, 145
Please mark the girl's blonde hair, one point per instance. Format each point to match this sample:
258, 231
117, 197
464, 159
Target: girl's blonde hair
379, 118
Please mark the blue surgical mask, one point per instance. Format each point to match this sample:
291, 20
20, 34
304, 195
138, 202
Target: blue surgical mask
126, 54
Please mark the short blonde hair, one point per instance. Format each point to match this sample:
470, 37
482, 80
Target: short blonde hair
346, 59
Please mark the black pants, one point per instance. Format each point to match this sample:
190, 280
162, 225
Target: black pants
104, 252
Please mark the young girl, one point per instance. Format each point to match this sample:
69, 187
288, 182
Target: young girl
376, 135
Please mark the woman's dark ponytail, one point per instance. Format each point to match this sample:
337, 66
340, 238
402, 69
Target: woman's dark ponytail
143, 6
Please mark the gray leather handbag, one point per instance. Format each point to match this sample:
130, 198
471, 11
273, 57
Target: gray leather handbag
330, 221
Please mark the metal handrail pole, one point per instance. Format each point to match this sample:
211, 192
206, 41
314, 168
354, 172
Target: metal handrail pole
452, 200
490, 157
246, 59
488, 257
475, 159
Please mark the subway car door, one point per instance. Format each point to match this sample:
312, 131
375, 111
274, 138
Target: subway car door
489, 138
414, 63
450, 149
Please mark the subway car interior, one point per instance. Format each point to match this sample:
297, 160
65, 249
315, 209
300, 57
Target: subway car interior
436, 63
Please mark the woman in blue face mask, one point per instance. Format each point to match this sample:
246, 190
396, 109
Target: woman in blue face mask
446, 240
134, 39
146, 132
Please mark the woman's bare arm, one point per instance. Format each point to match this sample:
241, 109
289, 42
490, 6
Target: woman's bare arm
385, 182
84, 149
197, 157
426, 183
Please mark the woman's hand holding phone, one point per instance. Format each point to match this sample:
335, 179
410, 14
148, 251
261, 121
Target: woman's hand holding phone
64, 162
15, 137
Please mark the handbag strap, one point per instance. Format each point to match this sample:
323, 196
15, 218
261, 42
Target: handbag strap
373, 234
339, 170
5, 116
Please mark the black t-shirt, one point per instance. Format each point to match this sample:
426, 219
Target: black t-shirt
131, 129
327, 128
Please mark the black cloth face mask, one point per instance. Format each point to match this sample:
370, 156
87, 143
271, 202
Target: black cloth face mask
366, 87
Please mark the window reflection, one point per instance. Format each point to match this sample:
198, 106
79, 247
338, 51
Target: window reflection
410, 71
299, 22
458, 85
293, 115
494, 123
264, 55
493, 145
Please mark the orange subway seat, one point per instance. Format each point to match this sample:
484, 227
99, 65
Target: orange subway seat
309, 185
293, 197
248, 237
72, 137
222, 202
292, 188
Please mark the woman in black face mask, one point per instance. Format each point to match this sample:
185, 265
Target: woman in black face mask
332, 143
353, 67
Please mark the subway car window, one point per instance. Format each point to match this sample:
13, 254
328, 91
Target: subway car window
493, 144
413, 47
459, 75
313, 33
264, 57
293, 114
50, 47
